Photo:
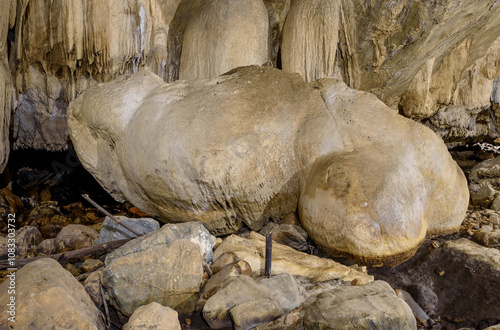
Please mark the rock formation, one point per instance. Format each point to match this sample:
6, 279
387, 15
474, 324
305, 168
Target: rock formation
434, 61
256, 144
213, 40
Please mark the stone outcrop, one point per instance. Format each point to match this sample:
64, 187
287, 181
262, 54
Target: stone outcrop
169, 274
263, 143
371, 306
435, 61
47, 297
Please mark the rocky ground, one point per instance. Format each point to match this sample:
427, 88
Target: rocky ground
452, 282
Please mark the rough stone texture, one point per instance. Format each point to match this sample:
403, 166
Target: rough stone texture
249, 314
111, 231
90, 265
226, 177
27, 240
76, 236
423, 190
153, 316
194, 232
286, 260
237, 268
370, 306
169, 274
49, 297
286, 234
222, 35
279, 293
204, 175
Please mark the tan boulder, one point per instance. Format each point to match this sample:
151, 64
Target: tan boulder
47, 297
153, 316
373, 220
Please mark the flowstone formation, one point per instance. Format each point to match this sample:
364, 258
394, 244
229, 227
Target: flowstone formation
258, 143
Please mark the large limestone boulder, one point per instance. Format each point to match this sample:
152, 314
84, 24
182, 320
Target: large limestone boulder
47, 297
423, 191
256, 144
217, 173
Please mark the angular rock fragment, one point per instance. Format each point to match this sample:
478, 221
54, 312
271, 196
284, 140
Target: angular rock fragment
193, 231
112, 231
371, 306
168, 274
153, 316
77, 236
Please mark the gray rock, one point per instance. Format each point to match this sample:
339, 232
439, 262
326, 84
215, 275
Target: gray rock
48, 297
488, 236
237, 268
493, 327
287, 234
279, 291
47, 247
223, 260
192, 231
77, 236
169, 274
111, 231
153, 316
370, 306
27, 240
484, 196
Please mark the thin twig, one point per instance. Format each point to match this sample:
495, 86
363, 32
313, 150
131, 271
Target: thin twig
112, 217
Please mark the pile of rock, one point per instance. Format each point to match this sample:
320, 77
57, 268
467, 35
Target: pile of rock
175, 271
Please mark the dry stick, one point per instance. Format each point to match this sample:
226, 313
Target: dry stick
112, 217
269, 255
105, 247
105, 308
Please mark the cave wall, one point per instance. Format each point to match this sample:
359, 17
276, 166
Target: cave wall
437, 62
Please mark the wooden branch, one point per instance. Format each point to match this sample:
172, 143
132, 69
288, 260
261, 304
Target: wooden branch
112, 217
91, 250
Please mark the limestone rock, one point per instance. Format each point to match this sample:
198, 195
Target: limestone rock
48, 297
215, 175
92, 285
286, 260
153, 316
278, 293
27, 240
370, 306
222, 35
484, 196
194, 232
76, 236
111, 231
423, 190
169, 274
226, 177
7, 94
237, 268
